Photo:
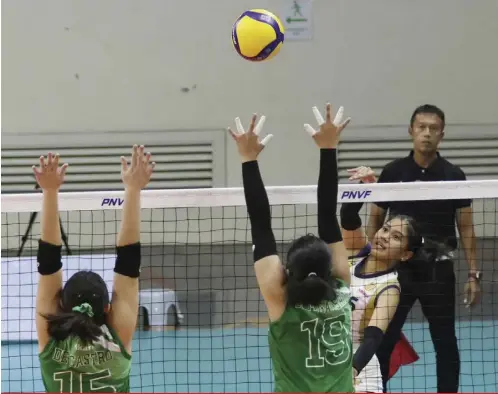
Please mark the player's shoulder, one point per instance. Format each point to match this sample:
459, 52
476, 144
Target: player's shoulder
381, 280
341, 286
389, 281
389, 287
392, 280
355, 260
357, 257
365, 251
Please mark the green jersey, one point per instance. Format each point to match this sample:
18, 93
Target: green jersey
311, 347
71, 367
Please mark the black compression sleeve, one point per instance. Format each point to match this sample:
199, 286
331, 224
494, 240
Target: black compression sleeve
328, 226
258, 208
372, 338
128, 260
49, 258
350, 217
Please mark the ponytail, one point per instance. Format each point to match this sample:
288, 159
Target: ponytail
79, 322
424, 249
312, 290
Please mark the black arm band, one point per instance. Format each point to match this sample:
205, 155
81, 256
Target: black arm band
128, 260
258, 208
350, 216
49, 258
372, 338
328, 226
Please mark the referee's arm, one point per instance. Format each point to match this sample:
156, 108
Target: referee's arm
465, 225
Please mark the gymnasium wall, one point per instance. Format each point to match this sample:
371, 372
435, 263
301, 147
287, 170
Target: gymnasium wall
73, 66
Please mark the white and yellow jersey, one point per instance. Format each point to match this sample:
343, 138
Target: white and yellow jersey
365, 290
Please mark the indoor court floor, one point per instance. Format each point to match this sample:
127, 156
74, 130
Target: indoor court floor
237, 360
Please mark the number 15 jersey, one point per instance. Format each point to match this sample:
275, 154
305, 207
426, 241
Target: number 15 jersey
102, 366
311, 346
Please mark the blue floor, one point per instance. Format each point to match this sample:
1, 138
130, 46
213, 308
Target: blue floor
237, 360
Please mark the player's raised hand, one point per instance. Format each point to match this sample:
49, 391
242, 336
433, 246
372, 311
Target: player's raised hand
137, 173
327, 137
362, 174
248, 142
49, 175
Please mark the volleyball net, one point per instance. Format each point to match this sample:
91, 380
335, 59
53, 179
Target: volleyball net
202, 323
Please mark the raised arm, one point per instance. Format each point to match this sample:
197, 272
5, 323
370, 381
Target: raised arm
49, 177
353, 233
375, 220
327, 139
267, 265
378, 210
124, 305
386, 303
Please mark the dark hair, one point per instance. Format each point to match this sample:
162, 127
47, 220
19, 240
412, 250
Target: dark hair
309, 280
424, 249
428, 109
83, 287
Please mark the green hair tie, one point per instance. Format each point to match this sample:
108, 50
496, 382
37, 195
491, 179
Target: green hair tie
85, 309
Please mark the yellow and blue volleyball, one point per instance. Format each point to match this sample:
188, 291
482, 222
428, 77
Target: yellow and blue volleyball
257, 35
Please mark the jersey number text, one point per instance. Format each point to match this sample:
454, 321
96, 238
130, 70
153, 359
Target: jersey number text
327, 341
87, 382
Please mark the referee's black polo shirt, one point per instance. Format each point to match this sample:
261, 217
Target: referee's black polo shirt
436, 218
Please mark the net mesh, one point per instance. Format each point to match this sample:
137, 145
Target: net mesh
202, 323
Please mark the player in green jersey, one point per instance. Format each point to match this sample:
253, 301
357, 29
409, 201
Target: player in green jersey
85, 341
308, 298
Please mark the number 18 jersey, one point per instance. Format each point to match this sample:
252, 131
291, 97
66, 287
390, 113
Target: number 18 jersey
69, 366
310, 346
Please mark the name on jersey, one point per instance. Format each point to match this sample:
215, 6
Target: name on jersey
343, 296
79, 360
322, 308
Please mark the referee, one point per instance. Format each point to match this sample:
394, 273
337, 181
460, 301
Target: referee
433, 284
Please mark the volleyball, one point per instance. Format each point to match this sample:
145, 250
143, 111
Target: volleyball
257, 35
